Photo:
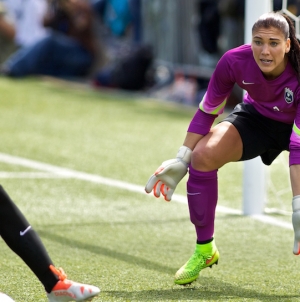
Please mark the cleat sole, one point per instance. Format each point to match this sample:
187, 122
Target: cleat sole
185, 283
216, 263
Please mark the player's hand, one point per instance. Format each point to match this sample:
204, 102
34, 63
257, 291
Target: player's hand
169, 174
296, 224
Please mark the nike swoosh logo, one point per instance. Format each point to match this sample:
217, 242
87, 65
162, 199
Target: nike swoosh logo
209, 260
24, 232
246, 83
198, 193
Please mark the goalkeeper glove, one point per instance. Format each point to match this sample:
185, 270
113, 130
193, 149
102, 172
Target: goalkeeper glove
169, 174
296, 223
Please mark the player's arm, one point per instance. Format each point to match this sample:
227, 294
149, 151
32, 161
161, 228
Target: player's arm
167, 176
294, 163
170, 172
295, 183
295, 179
192, 139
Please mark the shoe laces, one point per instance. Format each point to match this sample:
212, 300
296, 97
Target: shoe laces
59, 272
198, 258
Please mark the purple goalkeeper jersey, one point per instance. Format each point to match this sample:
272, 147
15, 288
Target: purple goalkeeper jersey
276, 99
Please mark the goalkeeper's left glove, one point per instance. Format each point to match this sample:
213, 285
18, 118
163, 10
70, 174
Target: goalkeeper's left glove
296, 223
169, 174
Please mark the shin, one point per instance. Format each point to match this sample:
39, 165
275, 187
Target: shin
202, 193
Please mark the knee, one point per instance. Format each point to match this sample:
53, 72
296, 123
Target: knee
203, 160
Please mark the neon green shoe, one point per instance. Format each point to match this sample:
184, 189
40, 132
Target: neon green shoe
205, 255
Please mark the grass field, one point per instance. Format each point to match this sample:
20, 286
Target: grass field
88, 156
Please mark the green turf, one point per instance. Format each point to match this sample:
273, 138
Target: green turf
129, 244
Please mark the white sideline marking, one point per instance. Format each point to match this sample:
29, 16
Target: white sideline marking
273, 221
55, 171
29, 175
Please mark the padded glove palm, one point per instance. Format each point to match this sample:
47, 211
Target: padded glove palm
169, 174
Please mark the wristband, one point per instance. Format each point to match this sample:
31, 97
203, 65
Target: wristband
296, 203
184, 154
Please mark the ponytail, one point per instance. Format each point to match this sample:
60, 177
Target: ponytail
294, 53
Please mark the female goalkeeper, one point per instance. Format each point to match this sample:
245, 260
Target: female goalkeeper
266, 123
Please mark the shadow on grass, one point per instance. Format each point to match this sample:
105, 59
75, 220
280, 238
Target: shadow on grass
209, 290
206, 289
146, 221
108, 253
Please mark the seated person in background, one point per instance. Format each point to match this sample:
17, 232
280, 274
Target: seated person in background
119, 26
7, 34
68, 50
127, 60
28, 18
20, 24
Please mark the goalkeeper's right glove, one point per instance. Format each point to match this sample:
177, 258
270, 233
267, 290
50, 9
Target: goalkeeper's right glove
296, 223
169, 174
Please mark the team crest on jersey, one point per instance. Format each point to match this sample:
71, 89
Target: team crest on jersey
288, 95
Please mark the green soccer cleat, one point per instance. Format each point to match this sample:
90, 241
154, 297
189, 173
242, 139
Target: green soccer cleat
205, 255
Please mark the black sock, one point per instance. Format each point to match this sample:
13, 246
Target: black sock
206, 241
24, 241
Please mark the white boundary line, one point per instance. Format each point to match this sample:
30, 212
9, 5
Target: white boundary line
59, 172
29, 175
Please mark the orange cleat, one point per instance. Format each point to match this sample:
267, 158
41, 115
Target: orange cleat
67, 290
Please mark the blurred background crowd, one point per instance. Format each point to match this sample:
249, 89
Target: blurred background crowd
165, 48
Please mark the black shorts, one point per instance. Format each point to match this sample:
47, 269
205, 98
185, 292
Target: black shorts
260, 135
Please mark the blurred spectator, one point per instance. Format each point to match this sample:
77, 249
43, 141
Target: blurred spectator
119, 26
277, 5
69, 49
292, 5
20, 24
7, 34
120, 17
129, 72
209, 25
136, 20
28, 20
127, 59
117, 16
232, 13
208, 31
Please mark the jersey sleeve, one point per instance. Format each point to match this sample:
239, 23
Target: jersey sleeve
214, 101
220, 86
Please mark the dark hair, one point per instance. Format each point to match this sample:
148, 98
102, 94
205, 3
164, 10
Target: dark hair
286, 26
